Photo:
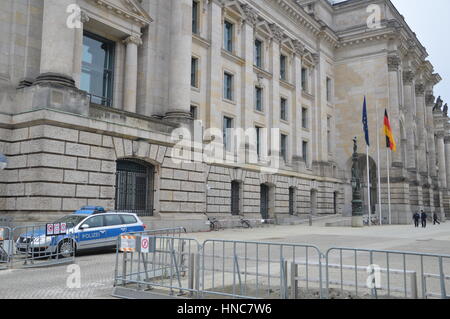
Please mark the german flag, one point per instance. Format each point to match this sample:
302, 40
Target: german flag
390, 142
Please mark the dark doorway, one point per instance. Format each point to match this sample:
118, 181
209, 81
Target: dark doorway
292, 210
135, 187
264, 201
235, 198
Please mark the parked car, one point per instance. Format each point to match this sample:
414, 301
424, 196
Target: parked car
87, 228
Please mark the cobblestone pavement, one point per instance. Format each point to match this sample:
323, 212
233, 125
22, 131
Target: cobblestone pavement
97, 269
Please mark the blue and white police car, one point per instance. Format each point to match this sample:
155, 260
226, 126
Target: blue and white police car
87, 228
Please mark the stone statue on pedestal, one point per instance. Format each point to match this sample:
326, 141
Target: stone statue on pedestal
438, 105
445, 110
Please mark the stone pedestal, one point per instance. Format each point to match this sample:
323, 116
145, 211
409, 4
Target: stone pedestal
357, 221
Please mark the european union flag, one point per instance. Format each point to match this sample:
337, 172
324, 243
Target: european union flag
365, 122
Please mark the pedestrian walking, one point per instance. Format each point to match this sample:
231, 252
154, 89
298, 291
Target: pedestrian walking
423, 217
435, 219
416, 218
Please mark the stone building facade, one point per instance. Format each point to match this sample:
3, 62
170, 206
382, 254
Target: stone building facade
96, 96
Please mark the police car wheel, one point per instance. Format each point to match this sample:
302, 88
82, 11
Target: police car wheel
66, 249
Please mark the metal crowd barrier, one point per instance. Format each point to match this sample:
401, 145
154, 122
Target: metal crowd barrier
152, 261
388, 271
244, 269
6, 247
35, 246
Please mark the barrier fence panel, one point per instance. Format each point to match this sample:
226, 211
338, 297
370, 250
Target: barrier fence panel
42, 245
6, 247
147, 261
363, 273
242, 269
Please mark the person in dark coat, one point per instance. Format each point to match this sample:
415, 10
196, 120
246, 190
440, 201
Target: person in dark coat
416, 218
423, 217
435, 219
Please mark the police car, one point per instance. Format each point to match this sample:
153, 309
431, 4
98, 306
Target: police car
87, 228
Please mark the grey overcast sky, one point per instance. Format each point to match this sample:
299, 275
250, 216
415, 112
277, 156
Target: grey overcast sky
430, 20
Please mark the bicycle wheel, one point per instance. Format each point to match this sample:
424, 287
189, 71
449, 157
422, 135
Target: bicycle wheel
246, 224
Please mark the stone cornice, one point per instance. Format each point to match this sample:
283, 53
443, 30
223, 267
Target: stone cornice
134, 12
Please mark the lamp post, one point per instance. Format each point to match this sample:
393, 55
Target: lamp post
3, 162
357, 211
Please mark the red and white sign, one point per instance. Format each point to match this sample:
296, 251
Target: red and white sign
2, 233
50, 231
63, 228
145, 244
56, 229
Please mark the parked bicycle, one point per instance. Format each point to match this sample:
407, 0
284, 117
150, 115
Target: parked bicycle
245, 223
214, 223
373, 221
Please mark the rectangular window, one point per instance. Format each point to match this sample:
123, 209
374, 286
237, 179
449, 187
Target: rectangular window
305, 79
228, 36
195, 15
305, 151
304, 117
258, 141
194, 112
283, 147
258, 99
329, 135
227, 125
258, 53
329, 90
283, 109
97, 74
194, 72
283, 63
228, 86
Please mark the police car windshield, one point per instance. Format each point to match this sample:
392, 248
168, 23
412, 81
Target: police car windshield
71, 220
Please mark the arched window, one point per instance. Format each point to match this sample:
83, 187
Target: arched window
135, 187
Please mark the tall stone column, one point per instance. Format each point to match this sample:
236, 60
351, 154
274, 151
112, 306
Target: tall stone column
394, 104
415, 191
131, 71
447, 157
78, 55
408, 77
298, 56
248, 31
429, 100
274, 107
57, 51
422, 166
180, 62
441, 159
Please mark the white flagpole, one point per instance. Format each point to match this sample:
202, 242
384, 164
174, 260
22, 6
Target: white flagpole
389, 187
368, 187
378, 168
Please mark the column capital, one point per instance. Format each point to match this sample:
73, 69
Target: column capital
429, 98
440, 134
408, 77
393, 62
84, 17
277, 32
251, 16
134, 39
420, 89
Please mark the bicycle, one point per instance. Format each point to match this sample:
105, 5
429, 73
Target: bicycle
214, 224
245, 223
